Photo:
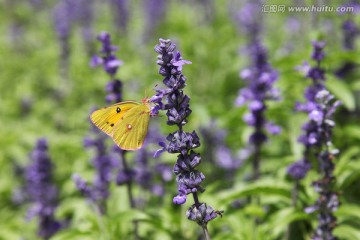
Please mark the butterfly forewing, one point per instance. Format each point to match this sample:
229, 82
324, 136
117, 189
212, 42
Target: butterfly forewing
107, 118
130, 132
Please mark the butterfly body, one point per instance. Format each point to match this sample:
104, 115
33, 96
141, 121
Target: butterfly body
126, 122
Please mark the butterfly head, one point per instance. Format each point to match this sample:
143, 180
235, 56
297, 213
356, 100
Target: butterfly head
145, 100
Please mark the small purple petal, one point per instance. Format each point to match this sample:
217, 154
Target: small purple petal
313, 138
103, 37
304, 68
160, 151
316, 116
246, 73
96, 61
249, 119
311, 209
256, 106
273, 129
179, 199
114, 63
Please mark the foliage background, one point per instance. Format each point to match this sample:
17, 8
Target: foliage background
36, 101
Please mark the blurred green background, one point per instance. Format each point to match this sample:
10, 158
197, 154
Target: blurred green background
39, 98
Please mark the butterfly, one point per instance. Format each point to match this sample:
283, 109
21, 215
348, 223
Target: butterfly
125, 122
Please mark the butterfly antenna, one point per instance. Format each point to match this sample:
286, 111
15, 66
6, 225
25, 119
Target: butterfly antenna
146, 98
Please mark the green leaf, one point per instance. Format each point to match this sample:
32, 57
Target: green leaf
352, 131
131, 215
6, 234
345, 158
349, 212
262, 187
346, 232
294, 124
280, 220
254, 210
342, 92
73, 234
350, 176
356, 85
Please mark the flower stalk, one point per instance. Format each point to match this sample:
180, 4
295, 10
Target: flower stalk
320, 106
177, 107
42, 193
98, 192
260, 77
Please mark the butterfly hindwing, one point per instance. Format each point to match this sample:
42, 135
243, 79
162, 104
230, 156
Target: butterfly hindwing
130, 132
107, 118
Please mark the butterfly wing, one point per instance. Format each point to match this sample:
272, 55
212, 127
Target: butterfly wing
131, 130
106, 118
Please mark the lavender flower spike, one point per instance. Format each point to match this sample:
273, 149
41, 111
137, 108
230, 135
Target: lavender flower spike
328, 201
310, 136
351, 32
103, 162
111, 64
260, 77
63, 23
320, 105
98, 192
121, 14
182, 143
41, 191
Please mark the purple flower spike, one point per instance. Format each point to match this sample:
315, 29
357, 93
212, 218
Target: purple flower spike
98, 192
110, 64
318, 53
260, 78
249, 18
177, 108
66, 15
41, 192
63, 16
121, 14
320, 106
351, 31
103, 162
107, 57
154, 13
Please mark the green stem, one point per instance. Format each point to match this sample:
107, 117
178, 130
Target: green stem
130, 195
206, 233
99, 218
